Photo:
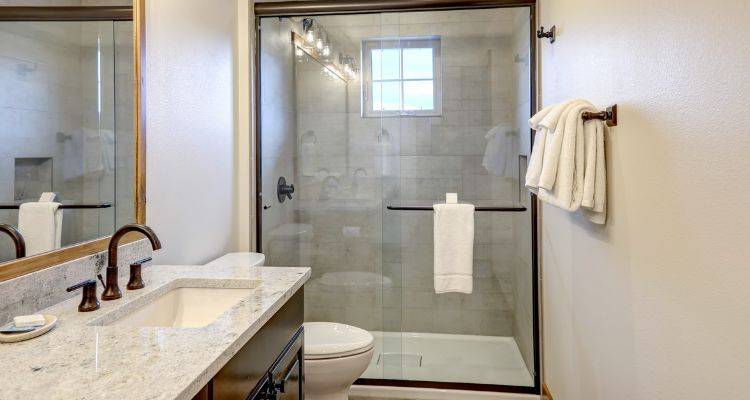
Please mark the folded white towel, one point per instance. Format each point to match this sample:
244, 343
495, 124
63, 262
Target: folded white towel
454, 248
598, 212
28, 321
544, 122
553, 149
40, 223
568, 169
567, 189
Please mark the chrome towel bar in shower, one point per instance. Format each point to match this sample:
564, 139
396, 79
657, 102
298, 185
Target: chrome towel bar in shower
478, 208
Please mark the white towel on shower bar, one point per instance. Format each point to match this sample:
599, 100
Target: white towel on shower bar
40, 223
454, 248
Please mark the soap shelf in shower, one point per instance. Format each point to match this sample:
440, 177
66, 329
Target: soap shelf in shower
403, 207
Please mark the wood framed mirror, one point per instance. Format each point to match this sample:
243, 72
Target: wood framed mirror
72, 120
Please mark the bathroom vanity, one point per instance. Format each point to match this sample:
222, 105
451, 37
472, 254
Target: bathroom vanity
193, 332
270, 365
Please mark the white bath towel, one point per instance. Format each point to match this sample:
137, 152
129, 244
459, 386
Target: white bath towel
554, 148
566, 190
544, 123
569, 168
454, 248
597, 212
40, 223
499, 154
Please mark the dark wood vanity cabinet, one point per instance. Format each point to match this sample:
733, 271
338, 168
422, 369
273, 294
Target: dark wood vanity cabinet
270, 366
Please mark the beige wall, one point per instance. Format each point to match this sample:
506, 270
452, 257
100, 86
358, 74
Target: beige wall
191, 143
656, 304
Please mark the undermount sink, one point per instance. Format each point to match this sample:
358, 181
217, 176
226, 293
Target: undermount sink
184, 307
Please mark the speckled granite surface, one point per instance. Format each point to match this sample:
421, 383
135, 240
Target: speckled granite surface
41, 289
81, 360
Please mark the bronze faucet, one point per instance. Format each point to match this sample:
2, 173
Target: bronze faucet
17, 239
88, 301
111, 288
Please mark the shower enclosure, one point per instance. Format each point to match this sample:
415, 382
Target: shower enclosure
373, 117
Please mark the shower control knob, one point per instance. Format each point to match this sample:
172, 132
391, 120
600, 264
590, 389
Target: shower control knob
284, 191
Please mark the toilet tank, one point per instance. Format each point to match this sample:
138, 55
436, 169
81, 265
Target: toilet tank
239, 259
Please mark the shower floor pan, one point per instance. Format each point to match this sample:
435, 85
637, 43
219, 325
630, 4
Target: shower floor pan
438, 357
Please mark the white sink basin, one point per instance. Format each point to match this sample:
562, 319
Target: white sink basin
184, 307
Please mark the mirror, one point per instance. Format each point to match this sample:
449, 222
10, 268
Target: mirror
70, 127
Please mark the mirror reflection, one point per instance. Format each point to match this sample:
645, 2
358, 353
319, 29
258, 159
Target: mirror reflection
66, 126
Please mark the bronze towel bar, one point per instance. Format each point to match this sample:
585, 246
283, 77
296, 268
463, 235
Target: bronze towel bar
609, 115
478, 208
64, 206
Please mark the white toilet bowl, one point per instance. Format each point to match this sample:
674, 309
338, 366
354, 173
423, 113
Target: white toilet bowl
335, 356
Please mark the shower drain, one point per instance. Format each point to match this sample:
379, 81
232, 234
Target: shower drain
400, 359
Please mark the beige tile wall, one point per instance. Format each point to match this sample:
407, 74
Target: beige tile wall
362, 164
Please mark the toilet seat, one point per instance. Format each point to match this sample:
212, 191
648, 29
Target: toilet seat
325, 340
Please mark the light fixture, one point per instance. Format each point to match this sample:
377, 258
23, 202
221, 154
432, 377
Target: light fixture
314, 41
308, 28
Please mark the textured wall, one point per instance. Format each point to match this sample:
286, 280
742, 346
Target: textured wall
190, 144
655, 304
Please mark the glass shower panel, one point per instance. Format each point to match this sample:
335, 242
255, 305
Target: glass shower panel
312, 136
402, 109
472, 146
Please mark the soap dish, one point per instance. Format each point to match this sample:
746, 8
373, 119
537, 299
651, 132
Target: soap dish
49, 322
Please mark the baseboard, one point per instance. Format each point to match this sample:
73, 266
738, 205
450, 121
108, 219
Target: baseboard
546, 394
407, 393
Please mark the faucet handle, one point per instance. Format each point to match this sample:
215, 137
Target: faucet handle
89, 302
136, 280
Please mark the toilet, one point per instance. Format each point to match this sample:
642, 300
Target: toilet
335, 356
239, 259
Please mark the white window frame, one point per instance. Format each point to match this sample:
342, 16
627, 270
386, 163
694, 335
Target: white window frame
401, 43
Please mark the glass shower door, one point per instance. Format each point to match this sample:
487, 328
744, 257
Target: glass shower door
365, 113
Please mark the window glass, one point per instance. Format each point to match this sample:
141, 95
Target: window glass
400, 76
418, 95
418, 63
385, 64
386, 96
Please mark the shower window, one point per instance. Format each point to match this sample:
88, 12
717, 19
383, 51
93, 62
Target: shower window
401, 77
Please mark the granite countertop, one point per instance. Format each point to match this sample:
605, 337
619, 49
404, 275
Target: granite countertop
80, 360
